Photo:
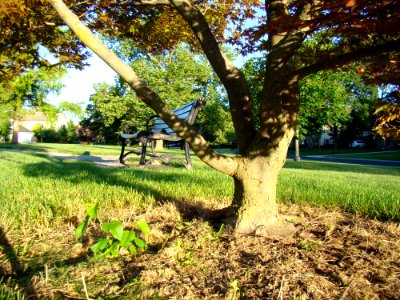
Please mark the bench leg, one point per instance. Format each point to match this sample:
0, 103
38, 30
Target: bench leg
121, 157
143, 154
187, 156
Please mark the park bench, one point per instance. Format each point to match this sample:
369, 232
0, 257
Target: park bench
156, 129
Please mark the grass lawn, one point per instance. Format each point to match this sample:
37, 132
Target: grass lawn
43, 199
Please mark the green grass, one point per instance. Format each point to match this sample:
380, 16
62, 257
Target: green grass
41, 191
367, 190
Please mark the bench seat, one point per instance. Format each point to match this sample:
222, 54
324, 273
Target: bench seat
157, 129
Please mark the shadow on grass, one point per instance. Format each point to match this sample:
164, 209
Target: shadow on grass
85, 171
19, 273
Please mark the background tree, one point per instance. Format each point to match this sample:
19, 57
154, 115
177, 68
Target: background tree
28, 90
352, 31
179, 76
388, 115
324, 102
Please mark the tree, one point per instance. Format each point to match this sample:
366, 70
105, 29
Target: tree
324, 101
388, 115
352, 30
28, 90
178, 76
23, 39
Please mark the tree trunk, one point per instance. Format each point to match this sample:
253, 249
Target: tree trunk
335, 139
297, 145
254, 208
15, 131
255, 201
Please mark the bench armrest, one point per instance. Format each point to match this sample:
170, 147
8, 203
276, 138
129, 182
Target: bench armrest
132, 124
149, 121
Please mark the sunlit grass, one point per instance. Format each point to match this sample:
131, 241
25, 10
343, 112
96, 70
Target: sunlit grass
41, 191
370, 191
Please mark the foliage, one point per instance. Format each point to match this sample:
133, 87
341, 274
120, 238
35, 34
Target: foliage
64, 134
72, 108
327, 99
178, 77
388, 121
29, 90
5, 122
17, 19
118, 240
324, 101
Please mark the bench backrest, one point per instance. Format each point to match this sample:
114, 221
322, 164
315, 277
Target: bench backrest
186, 112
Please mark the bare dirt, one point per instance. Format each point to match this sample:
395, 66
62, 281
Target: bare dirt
333, 255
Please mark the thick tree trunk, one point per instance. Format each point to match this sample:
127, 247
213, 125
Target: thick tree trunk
254, 203
254, 208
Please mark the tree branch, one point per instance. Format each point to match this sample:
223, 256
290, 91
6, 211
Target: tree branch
199, 145
231, 77
153, 2
339, 58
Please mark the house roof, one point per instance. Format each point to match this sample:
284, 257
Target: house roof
24, 129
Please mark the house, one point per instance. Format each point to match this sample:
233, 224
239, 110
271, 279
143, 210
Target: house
30, 121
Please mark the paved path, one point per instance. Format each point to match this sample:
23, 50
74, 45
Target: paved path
105, 161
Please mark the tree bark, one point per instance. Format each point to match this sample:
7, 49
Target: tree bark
15, 131
254, 208
297, 145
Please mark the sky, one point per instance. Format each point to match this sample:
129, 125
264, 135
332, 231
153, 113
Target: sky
78, 85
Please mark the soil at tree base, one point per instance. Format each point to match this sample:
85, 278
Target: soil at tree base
333, 255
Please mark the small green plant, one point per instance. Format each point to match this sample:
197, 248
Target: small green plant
117, 240
308, 245
235, 294
215, 236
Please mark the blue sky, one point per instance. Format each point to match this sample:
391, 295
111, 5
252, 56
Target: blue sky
79, 84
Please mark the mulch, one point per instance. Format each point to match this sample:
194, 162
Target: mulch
333, 255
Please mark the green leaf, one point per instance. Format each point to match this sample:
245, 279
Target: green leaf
143, 226
140, 243
92, 210
116, 229
99, 246
82, 227
125, 238
132, 249
114, 249
106, 227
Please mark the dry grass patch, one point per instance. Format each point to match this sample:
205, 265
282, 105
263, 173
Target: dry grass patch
334, 255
